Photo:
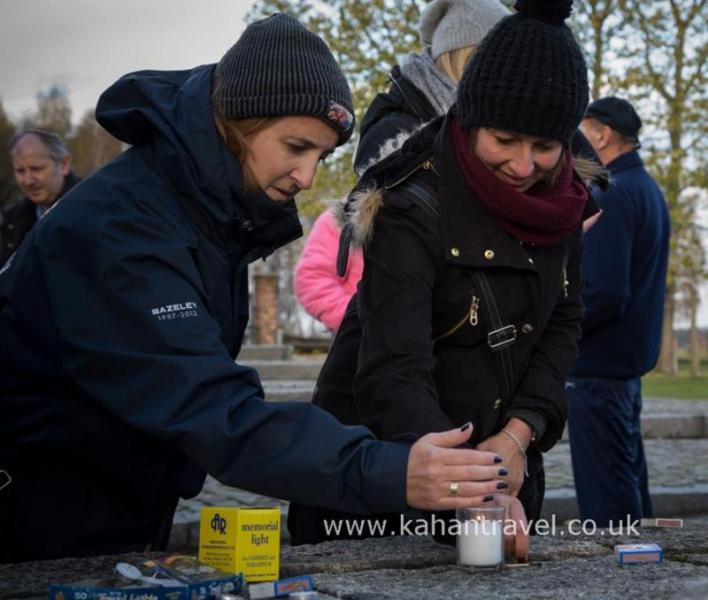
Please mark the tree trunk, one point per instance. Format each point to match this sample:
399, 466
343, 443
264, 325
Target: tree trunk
266, 308
694, 336
667, 357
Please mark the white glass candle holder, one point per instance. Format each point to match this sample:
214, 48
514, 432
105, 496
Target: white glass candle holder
480, 541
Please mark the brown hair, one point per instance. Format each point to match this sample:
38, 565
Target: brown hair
234, 133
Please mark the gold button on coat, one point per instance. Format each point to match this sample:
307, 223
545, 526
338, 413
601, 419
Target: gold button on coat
527, 328
489, 254
455, 252
497, 404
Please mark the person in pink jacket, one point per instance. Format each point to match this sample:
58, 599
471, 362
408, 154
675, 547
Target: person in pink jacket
322, 293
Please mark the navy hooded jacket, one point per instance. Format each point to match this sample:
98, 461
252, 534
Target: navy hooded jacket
120, 319
625, 261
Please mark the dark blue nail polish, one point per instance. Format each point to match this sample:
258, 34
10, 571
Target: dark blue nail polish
503, 472
497, 459
488, 499
502, 485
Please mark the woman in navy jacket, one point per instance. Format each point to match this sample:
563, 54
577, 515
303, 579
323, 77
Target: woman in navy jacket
123, 311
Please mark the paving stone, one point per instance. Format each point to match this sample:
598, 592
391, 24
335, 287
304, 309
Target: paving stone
671, 463
265, 352
305, 369
288, 390
654, 404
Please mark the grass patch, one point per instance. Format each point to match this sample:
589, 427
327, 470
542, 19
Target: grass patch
681, 386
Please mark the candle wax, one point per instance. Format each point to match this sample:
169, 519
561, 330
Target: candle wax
480, 543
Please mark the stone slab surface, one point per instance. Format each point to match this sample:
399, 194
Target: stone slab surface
411, 568
561, 567
597, 579
32, 579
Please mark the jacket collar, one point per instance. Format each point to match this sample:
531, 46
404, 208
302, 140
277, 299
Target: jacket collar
628, 160
470, 236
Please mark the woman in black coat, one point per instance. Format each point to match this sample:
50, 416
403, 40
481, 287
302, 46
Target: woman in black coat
423, 85
469, 305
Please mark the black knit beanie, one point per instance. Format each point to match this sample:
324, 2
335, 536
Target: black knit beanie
528, 75
279, 68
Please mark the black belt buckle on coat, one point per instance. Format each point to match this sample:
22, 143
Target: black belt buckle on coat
498, 339
5, 479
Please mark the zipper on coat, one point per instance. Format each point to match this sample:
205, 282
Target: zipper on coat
472, 316
427, 164
474, 311
564, 281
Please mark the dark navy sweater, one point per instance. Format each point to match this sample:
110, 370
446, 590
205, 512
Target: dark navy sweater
624, 264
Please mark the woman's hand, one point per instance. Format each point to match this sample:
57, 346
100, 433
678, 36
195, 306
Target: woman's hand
503, 445
443, 477
516, 528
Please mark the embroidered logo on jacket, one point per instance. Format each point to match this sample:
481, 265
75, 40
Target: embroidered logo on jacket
181, 310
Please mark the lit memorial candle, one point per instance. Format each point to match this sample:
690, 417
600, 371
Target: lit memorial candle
480, 542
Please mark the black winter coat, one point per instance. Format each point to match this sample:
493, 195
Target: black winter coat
403, 108
412, 355
423, 362
18, 218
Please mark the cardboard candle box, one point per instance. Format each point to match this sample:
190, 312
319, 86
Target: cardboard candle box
671, 523
245, 540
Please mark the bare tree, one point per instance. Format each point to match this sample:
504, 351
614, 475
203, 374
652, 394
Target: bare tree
596, 23
54, 110
91, 146
8, 189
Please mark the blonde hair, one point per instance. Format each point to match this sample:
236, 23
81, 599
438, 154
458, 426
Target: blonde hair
454, 62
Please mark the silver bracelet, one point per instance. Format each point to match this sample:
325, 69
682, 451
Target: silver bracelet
522, 451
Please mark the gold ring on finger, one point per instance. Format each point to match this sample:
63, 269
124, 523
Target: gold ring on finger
454, 488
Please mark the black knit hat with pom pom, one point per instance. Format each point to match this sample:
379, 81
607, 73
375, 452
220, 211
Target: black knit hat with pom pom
528, 75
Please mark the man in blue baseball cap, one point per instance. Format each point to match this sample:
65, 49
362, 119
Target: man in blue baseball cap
624, 265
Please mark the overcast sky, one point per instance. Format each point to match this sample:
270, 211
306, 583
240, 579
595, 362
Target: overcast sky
88, 44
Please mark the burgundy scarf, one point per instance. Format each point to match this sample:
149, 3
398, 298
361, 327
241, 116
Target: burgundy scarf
543, 216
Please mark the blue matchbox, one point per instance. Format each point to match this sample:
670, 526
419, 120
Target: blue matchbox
637, 553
